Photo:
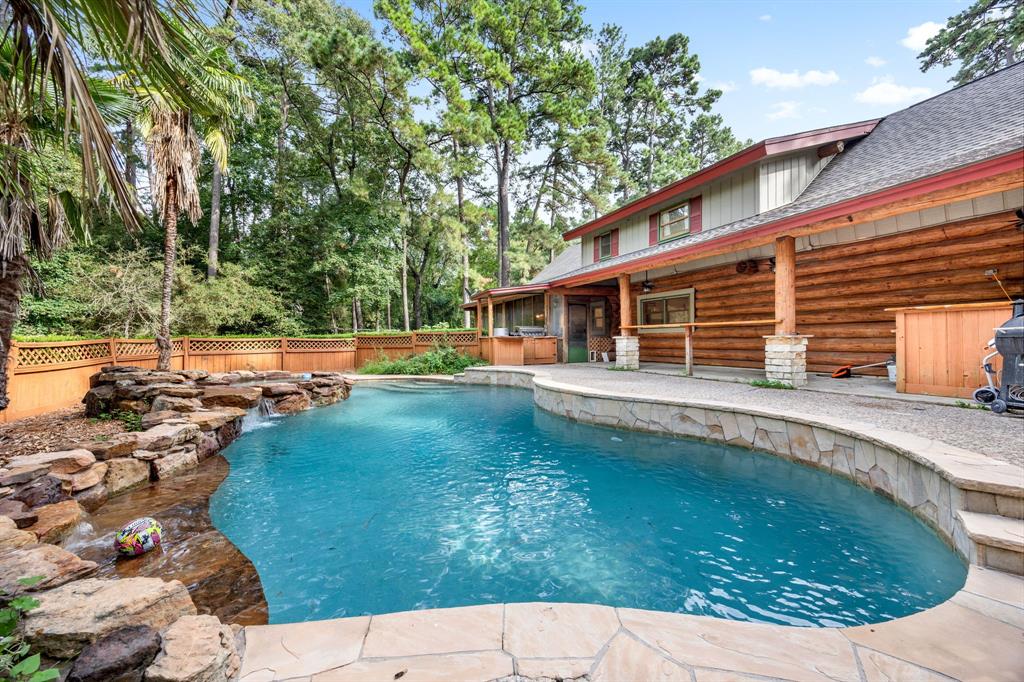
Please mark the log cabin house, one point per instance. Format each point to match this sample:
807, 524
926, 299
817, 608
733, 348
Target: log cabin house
795, 254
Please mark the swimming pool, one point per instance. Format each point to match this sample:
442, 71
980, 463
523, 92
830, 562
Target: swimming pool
411, 496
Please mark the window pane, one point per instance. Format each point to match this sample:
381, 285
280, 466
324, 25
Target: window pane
677, 309
606, 245
676, 214
675, 222
654, 312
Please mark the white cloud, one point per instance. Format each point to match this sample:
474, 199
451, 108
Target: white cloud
875, 61
773, 78
788, 109
765, 17
886, 91
917, 36
726, 86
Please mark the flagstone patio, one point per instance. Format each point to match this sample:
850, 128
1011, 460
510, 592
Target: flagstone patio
977, 635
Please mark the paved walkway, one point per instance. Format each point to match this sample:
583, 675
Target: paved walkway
998, 436
977, 635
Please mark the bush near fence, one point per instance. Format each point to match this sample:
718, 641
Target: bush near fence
46, 376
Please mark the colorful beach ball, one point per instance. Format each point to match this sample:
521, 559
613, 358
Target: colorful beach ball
138, 537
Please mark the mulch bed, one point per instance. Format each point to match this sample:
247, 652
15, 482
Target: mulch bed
52, 431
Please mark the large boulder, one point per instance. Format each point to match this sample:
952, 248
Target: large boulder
151, 419
167, 435
121, 656
165, 402
79, 613
178, 459
211, 420
221, 379
109, 447
94, 497
22, 474
196, 649
84, 479
231, 396
125, 473
193, 374
63, 462
144, 376
11, 537
296, 402
42, 491
98, 400
18, 512
56, 521
278, 390
176, 390
53, 564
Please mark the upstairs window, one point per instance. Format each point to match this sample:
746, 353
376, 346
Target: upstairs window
674, 222
604, 246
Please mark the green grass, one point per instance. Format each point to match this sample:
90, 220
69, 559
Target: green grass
970, 406
771, 383
442, 360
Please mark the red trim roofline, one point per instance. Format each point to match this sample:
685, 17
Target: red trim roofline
505, 291
978, 171
769, 147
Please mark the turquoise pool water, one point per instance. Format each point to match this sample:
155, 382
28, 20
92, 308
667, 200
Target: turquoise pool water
412, 496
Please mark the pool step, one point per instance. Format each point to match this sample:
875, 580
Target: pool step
999, 540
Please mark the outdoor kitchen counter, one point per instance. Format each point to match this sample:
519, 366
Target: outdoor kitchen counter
519, 350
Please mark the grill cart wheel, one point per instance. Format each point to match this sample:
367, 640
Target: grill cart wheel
998, 406
985, 396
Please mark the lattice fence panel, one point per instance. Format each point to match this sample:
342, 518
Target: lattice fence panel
36, 356
321, 344
233, 345
450, 338
601, 344
395, 341
131, 348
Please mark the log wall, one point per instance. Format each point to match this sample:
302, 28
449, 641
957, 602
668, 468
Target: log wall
842, 293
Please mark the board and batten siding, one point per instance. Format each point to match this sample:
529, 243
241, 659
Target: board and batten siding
782, 179
747, 192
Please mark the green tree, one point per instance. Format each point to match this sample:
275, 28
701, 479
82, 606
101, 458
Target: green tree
514, 61
985, 37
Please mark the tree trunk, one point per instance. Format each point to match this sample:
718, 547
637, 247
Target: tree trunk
389, 312
212, 255
460, 198
163, 337
357, 308
503, 221
282, 132
11, 274
417, 299
128, 149
405, 280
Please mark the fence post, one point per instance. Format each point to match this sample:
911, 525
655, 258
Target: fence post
112, 345
184, 353
284, 351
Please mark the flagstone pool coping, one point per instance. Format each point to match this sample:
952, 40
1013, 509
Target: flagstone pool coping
978, 634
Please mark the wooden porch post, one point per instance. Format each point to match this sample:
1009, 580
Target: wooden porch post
479, 318
785, 285
625, 306
490, 317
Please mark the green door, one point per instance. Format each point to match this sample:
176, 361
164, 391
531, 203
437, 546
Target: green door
578, 332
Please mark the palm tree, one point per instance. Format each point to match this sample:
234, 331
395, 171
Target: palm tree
173, 154
43, 87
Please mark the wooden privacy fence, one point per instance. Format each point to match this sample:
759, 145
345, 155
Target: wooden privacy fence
52, 375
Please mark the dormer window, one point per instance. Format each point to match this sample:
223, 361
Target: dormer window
604, 246
674, 222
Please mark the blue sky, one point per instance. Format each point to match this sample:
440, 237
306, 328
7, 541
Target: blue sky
792, 66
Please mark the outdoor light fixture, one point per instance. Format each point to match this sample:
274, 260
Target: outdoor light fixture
648, 285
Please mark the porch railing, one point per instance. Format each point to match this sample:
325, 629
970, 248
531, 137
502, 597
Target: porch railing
689, 327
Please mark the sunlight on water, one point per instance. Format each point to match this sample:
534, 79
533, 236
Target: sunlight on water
412, 495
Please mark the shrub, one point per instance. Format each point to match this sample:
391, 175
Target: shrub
440, 360
770, 383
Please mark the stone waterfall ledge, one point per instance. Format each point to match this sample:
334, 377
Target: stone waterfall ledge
932, 479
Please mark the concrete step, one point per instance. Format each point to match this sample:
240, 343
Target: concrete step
999, 540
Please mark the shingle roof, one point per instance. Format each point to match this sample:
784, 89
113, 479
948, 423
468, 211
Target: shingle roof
570, 259
966, 125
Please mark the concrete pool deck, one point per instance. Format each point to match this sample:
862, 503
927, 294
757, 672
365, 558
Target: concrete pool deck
972, 500
976, 635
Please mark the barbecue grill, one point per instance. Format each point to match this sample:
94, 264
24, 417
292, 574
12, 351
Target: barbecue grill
529, 331
1009, 343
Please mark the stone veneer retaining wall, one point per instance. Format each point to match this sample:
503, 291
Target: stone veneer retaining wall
931, 479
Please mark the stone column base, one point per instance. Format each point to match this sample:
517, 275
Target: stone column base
785, 359
627, 352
